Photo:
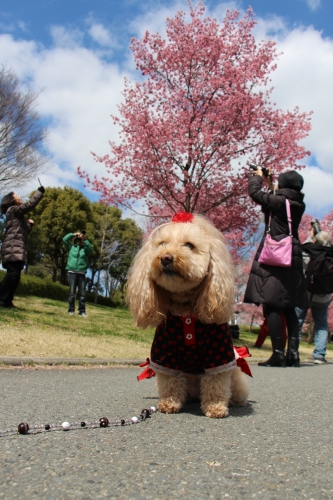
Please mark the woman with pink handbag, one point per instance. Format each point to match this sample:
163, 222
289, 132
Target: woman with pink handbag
276, 279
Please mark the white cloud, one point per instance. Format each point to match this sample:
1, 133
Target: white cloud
80, 92
154, 20
63, 37
313, 4
53, 177
304, 78
101, 35
318, 189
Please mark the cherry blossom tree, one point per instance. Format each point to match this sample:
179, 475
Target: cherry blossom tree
304, 228
201, 108
326, 224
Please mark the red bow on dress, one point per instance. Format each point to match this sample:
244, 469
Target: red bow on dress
148, 372
241, 353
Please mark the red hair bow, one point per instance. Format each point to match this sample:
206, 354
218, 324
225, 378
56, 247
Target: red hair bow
183, 217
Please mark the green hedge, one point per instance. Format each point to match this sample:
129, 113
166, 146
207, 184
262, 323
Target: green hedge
32, 285
104, 301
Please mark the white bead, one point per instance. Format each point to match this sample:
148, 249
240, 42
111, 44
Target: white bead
153, 408
65, 426
135, 419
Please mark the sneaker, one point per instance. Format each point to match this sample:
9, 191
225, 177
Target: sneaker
71, 313
83, 315
318, 361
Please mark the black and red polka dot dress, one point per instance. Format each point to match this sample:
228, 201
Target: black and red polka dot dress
185, 344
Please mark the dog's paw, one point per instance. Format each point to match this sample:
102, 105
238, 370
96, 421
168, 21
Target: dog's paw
216, 411
169, 406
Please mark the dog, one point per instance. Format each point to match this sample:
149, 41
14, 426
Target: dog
182, 283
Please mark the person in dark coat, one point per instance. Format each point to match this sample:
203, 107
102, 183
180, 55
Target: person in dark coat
14, 245
279, 289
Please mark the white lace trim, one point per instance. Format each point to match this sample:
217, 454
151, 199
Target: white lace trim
209, 371
163, 369
222, 368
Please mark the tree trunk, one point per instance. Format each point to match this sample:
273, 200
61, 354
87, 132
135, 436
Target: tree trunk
251, 323
188, 203
63, 277
97, 286
54, 274
93, 273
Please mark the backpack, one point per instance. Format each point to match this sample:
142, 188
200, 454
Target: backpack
319, 271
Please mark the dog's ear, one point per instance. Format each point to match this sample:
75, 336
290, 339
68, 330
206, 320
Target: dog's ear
145, 299
216, 297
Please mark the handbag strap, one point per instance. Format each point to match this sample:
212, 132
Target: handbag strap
288, 217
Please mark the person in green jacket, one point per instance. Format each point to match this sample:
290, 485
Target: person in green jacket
77, 265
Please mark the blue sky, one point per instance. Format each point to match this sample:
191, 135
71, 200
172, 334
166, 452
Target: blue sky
77, 52
38, 16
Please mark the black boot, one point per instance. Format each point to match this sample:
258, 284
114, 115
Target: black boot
292, 352
278, 358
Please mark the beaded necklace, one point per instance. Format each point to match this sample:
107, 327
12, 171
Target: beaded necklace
24, 428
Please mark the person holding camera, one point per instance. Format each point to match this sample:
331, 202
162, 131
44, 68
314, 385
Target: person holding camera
77, 264
279, 289
318, 246
14, 245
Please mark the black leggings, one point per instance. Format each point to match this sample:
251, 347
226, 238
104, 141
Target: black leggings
10, 282
274, 321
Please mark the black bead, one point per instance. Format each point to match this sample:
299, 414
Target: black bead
103, 422
23, 428
123, 422
145, 413
83, 424
47, 427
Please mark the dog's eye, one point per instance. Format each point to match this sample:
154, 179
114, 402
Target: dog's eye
189, 245
161, 243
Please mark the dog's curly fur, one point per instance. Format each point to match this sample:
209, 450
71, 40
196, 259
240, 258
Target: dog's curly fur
186, 267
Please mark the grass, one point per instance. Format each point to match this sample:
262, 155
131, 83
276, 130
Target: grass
42, 328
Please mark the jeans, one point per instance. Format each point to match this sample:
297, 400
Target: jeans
319, 315
76, 281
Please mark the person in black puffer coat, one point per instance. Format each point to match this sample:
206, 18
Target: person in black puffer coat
279, 289
14, 244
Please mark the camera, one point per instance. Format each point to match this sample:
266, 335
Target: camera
255, 167
316, 226
78, 238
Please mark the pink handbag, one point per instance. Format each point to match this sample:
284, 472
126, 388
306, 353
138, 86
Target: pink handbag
277, 253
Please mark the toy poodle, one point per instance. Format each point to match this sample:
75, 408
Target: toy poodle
182, 283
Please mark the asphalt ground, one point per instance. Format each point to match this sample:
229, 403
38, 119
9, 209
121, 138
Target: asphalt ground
279, 446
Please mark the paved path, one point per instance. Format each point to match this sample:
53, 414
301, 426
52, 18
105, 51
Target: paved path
278, 447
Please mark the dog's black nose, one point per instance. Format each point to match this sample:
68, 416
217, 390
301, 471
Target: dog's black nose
166, 260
